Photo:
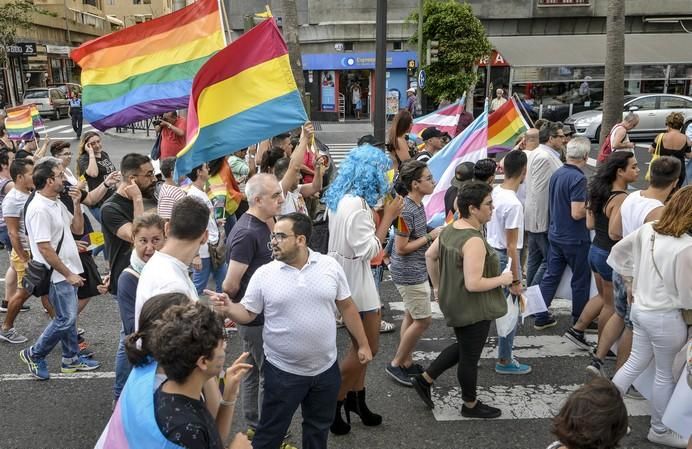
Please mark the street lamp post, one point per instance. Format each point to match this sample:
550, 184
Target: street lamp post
380, 70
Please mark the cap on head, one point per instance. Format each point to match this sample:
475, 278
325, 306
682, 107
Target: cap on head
429, 133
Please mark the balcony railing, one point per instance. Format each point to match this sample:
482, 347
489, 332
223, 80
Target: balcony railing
564, 2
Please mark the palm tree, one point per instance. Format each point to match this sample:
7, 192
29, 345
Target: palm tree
290, 28
614, 86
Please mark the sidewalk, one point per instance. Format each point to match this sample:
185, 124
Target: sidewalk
329, 132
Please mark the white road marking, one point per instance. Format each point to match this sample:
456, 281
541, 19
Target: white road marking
517, 401
558, 307
525, 347
56, 128
61, 376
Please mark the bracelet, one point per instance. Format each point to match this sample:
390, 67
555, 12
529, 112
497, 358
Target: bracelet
227, 403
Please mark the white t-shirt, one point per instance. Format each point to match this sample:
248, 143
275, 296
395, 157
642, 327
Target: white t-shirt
49, 220
634, 210
162, 274
508, 213
13, 207
299, 307
212, 229
294, 202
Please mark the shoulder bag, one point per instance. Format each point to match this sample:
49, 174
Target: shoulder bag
37, 276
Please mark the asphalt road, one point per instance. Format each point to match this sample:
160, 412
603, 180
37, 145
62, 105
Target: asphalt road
69, 411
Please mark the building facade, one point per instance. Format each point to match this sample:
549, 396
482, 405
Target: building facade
132, 12
40, 55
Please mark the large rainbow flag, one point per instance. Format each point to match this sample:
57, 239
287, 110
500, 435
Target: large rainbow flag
19, 124
505, 125
244, 94
147, 69
471, 145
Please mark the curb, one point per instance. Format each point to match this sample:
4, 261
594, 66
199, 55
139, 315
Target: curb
130, 136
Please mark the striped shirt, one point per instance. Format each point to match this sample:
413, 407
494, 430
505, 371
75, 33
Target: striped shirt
410, 269
168, 196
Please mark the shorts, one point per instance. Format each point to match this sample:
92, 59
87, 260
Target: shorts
18, 266
622, 308
416, 300
598, 261
358, 105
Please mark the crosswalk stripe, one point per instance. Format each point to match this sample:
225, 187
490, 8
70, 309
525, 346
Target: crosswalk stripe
558, 307
525, 347
64, 129
517, 401
60, 376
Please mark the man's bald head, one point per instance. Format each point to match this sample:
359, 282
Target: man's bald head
531, 139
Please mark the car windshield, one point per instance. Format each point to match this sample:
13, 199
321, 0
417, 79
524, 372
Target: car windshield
626, 99
36, 94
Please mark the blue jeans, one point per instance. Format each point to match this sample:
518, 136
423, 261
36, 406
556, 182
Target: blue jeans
63, 328
577, 258
201, 278
377, 273
283, 393
122, 366
5, 238
538, 257
505, 344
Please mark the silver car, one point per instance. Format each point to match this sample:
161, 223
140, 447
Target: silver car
50, 101
652, 110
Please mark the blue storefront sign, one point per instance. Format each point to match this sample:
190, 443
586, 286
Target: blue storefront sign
354, 61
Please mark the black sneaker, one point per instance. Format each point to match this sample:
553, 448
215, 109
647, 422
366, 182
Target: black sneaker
414, 369
398, 374
544, 324
577, 338
424, 389
596, 367
3, 307
481, 411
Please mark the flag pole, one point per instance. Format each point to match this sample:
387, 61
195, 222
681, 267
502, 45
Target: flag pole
523, 108
224, 22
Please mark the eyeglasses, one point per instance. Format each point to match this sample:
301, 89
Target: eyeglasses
149, 174
61, 175
280, 236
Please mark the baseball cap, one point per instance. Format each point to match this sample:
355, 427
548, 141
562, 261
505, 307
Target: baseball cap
429, 133
411, 89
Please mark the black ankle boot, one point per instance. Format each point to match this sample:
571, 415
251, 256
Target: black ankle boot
339, 426
355, 402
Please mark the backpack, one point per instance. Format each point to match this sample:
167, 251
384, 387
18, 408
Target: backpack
607, 147
319, 239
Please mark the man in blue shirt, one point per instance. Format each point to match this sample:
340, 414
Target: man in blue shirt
567, 233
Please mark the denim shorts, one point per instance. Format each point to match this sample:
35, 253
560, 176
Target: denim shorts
622, 308
598, 262
5, 238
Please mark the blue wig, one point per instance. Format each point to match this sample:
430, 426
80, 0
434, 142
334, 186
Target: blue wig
363, 174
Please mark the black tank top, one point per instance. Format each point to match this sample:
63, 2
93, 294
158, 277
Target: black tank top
601, 221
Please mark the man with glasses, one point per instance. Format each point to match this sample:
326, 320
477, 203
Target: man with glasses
542, 163
50, 226
248, 248
120, 210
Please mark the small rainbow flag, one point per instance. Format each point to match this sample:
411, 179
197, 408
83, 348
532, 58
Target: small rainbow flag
450, 217
504, 127
401, 226
147, 69
18, 123
244, 94
36, 117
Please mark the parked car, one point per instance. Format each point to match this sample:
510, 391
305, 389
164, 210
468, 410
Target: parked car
652, 110
68, 89
50, 101
557, 109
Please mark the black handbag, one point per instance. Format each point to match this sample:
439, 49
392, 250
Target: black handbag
156, 149
91, 275
37, 276
319, 240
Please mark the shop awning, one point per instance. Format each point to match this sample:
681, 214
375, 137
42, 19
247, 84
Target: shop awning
590, 49
115, 21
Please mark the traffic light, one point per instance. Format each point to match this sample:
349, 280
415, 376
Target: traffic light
433, 51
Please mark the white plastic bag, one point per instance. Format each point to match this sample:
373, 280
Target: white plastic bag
506, 324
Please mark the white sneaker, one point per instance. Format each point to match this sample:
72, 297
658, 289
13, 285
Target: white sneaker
667, 438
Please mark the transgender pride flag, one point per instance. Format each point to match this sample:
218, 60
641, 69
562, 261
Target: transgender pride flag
471, 145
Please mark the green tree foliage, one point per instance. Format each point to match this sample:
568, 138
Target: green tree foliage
14, 15
462, 41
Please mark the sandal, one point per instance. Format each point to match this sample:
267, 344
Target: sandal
386, 327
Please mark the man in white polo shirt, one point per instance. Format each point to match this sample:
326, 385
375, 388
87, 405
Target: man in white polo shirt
49, 226
299, 293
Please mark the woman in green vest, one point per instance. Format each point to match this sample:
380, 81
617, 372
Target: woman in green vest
466, 279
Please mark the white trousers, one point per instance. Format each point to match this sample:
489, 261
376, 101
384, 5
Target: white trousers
658, 335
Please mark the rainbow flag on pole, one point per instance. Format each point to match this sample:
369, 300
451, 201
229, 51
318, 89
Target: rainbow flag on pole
471, 145
505, 125
244, 94
18, 123
147, 69
36, 117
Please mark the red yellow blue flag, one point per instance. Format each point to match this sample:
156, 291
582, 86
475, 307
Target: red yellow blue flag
242, 95
401, 226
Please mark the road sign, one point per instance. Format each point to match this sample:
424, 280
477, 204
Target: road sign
421, 79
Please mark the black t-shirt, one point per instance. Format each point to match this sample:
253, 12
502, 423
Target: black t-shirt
116, 212
248, 244
185, 421
105, 167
